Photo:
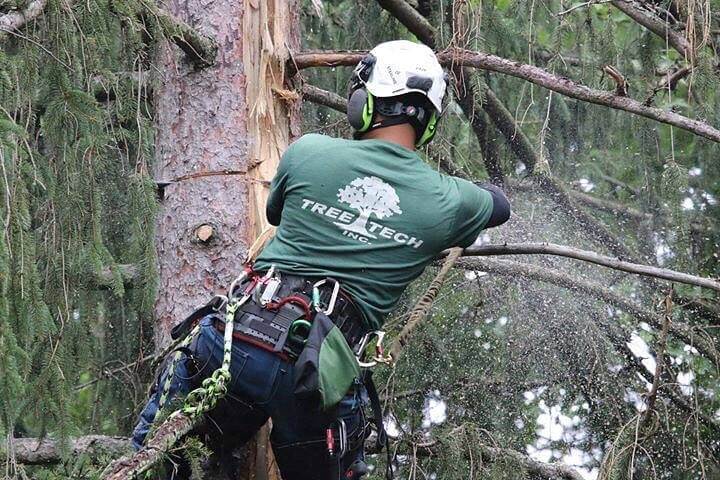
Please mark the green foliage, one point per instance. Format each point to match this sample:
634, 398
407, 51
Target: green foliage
76, 200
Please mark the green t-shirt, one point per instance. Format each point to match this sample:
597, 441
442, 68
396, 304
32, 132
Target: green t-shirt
368, 213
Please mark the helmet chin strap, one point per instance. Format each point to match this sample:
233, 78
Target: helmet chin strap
389, 122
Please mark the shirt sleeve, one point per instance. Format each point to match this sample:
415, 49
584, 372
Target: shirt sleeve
474, 210
276, 198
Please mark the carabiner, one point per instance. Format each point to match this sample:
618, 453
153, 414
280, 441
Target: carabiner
256, 291
379, 356
333, 298
239, 279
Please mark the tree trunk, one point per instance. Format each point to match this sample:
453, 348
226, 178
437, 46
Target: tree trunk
220, 133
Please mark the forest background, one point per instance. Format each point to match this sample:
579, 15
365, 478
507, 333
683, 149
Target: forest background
531, 367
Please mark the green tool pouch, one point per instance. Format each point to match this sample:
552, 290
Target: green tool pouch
326, 368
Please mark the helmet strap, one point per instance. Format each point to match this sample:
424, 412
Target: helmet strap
389, 122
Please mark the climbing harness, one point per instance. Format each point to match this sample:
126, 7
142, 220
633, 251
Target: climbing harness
286, 314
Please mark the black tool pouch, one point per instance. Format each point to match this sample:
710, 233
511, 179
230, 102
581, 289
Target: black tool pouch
326, 368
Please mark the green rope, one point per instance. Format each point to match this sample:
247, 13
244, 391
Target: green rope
171, 370
204, 398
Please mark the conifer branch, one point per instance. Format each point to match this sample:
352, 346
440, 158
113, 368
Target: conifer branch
657, 26
478, 115
556, 277
591, 257
128, 273
199, 49
504, 456
530, 73
16, 20
423, 306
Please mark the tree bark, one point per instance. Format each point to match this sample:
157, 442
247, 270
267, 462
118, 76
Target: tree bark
220, 134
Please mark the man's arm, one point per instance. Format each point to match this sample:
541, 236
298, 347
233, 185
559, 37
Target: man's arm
501, 206
276, 198
481, 206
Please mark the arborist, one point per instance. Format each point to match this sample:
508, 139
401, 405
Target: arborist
357, 221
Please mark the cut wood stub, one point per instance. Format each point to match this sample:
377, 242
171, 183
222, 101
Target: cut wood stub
204, 233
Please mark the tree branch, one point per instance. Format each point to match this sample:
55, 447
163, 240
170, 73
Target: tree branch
166, 435
534, 468
475, 113
657, 26
324, 97
16, 20
31, 451
412, 19
572, 89
532, 74
591, 257
519, 144
199, 49
556, 277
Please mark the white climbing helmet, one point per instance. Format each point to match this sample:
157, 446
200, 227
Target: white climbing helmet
402, 67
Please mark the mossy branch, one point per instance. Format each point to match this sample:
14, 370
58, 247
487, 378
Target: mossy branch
15, 20
200, 50
33, 451
166, 435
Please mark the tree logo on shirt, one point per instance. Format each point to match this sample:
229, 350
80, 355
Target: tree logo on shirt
370, 196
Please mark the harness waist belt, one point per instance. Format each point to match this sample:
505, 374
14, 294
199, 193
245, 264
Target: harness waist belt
272, 328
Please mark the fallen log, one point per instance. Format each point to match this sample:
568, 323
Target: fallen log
33, 451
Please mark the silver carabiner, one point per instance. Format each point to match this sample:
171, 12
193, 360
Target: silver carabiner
239, 279
342, 433
333, 298
379, 356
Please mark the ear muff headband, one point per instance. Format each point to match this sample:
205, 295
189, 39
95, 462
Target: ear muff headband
429, 132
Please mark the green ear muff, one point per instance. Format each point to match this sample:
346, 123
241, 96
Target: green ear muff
360, 110
368, 111
429, 132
